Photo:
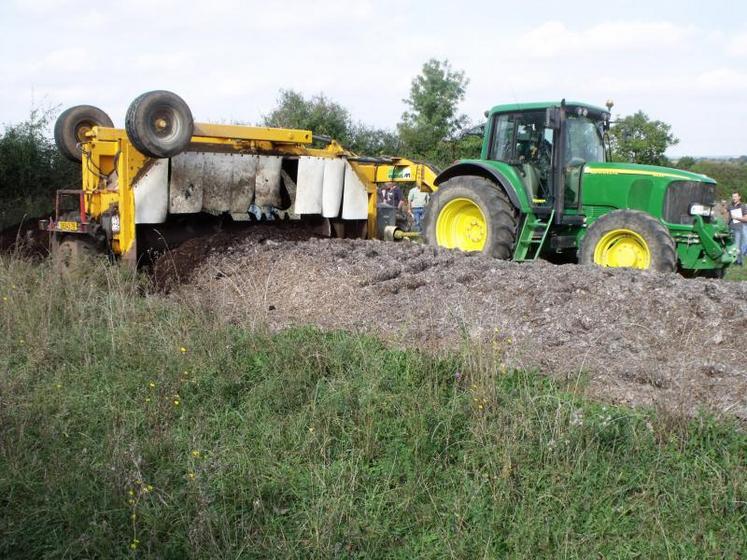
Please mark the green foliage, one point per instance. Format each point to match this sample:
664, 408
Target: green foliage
143, 422
318, 114
433, 114
326, 117
685, 162
638, 139
31, 169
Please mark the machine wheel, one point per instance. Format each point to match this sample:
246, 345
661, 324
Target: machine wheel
73, 124
159, 124
629, 239
472, 214
69, 251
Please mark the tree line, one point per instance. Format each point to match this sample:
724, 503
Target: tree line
432, 128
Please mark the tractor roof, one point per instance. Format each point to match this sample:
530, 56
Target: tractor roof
541, 105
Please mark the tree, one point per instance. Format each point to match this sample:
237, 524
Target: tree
685, 162
31, 169
433, 116
325, 117
637, 139
318, 113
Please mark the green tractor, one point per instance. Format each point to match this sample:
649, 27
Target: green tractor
543, 186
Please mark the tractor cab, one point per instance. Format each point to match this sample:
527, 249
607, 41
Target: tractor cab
547, 144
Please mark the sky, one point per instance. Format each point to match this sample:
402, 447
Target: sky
684, 63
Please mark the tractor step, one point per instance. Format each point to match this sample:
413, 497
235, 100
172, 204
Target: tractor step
532, 237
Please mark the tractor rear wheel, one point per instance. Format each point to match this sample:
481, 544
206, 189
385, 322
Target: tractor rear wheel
159, 124
72, 125
629, 239
472, 214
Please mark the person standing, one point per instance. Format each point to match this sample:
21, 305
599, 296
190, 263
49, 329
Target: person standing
417, 201
394, 196
738, 224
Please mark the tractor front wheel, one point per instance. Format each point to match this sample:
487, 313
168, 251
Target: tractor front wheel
472, 214
629, 239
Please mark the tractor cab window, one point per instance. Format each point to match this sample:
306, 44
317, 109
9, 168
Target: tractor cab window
502, 146
584, 142
522, 140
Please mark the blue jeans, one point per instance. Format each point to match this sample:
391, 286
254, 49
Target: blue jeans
417, 215
740, 240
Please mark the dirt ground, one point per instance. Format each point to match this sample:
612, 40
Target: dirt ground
25, 237
639, 337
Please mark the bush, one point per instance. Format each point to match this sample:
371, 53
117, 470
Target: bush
31, 169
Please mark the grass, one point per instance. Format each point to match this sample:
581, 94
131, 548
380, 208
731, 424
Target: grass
134, 426
736, 273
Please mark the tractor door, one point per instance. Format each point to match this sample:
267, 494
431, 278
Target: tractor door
524, 141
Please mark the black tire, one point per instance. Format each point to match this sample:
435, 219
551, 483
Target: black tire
661, 246
499, 213
71, 127
159, 124
72, 251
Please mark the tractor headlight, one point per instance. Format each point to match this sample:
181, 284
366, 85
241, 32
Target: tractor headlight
115, 223
697, 209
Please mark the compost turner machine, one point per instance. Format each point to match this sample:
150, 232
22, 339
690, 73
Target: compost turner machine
164, 165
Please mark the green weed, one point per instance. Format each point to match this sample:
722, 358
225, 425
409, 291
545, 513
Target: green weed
134, 426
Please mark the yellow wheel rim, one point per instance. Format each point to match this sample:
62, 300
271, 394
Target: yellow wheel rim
622, 248
461, 225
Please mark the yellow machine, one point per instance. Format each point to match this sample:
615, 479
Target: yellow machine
163, 164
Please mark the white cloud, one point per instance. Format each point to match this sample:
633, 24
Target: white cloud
737, 46
723, 81
555, 38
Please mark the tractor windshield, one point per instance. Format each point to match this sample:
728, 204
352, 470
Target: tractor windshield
584, 140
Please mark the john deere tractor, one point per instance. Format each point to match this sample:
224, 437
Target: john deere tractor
543, 186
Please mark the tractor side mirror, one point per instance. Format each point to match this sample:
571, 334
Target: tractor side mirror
552, 118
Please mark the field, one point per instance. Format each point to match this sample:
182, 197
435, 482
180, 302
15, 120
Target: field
138, 425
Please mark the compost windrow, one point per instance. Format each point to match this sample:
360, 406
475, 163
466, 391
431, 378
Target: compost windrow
640, 338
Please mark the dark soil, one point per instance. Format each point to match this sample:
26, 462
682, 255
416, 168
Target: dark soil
26, 238
639, 337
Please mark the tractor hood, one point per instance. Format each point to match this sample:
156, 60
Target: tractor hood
616, 168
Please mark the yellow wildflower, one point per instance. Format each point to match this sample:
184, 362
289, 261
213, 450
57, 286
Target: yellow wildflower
191, 476
131, 492
176, 402
182, 349
195, 453
152, 385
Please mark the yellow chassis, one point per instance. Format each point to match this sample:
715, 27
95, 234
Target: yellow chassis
111, 166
